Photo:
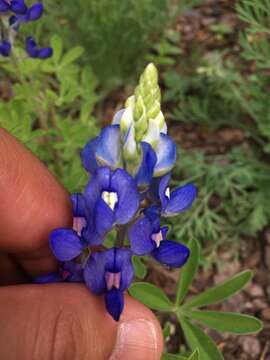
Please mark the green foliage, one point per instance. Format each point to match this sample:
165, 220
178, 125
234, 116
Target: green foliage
50, 109
115, 33
200, 343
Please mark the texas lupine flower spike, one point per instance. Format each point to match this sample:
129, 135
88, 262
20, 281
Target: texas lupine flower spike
129, 166
13, 13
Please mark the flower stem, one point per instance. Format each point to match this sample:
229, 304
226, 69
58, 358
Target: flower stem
121, 235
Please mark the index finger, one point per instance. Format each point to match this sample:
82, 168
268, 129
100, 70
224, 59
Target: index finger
32, 203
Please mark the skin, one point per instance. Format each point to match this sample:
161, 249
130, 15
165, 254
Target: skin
54, 321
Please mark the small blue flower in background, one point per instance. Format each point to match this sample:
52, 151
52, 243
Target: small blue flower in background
129, 166
18, 13
34, 52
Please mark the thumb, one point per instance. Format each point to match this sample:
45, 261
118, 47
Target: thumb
67, 322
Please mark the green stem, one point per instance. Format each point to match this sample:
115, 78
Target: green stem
121, 235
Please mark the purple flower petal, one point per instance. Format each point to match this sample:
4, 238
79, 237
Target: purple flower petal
114, 301
4, 6
128, 197
31, 47
5, 48
78, 205
171, 253
94, 272
108, 151
166, 155
180, 200
123, 264
145, 172
18, 6
88, 155
104, 217
99, 182
34, 12
140, 237
48, 278
45, 53
65, 244
163, 185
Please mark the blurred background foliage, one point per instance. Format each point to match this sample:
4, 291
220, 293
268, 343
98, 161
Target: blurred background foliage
214, 61
215, 96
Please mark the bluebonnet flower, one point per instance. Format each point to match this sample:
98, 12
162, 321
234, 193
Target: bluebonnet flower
5, 48
172, 203
111, 198
105, 150
34, 51
148, 237
129, 164
110, 273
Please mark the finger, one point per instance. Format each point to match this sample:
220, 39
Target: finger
66, 322
32, 204
11, 272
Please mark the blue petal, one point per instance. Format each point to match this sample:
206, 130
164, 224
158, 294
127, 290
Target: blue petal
108, 151
180, 200
171, 253
75, 271
48, 278
163, 185
90, 235
88, 156
45, 53
34, 12
94, 272
5, 48
145, 172
104, 217
31, 47
114, 301
4, 7
65, 244
124, 265
128, 197
18, 7
117, 117
166, 155
140, 237
99, 182
78, 204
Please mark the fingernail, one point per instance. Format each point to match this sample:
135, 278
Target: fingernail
136, 340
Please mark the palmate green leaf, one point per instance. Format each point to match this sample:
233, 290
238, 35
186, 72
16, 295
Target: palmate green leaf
197, 339
151, 296
188, 272
227, 321
139, 267
168, 356
220, 292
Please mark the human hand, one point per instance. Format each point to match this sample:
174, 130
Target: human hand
54, 321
